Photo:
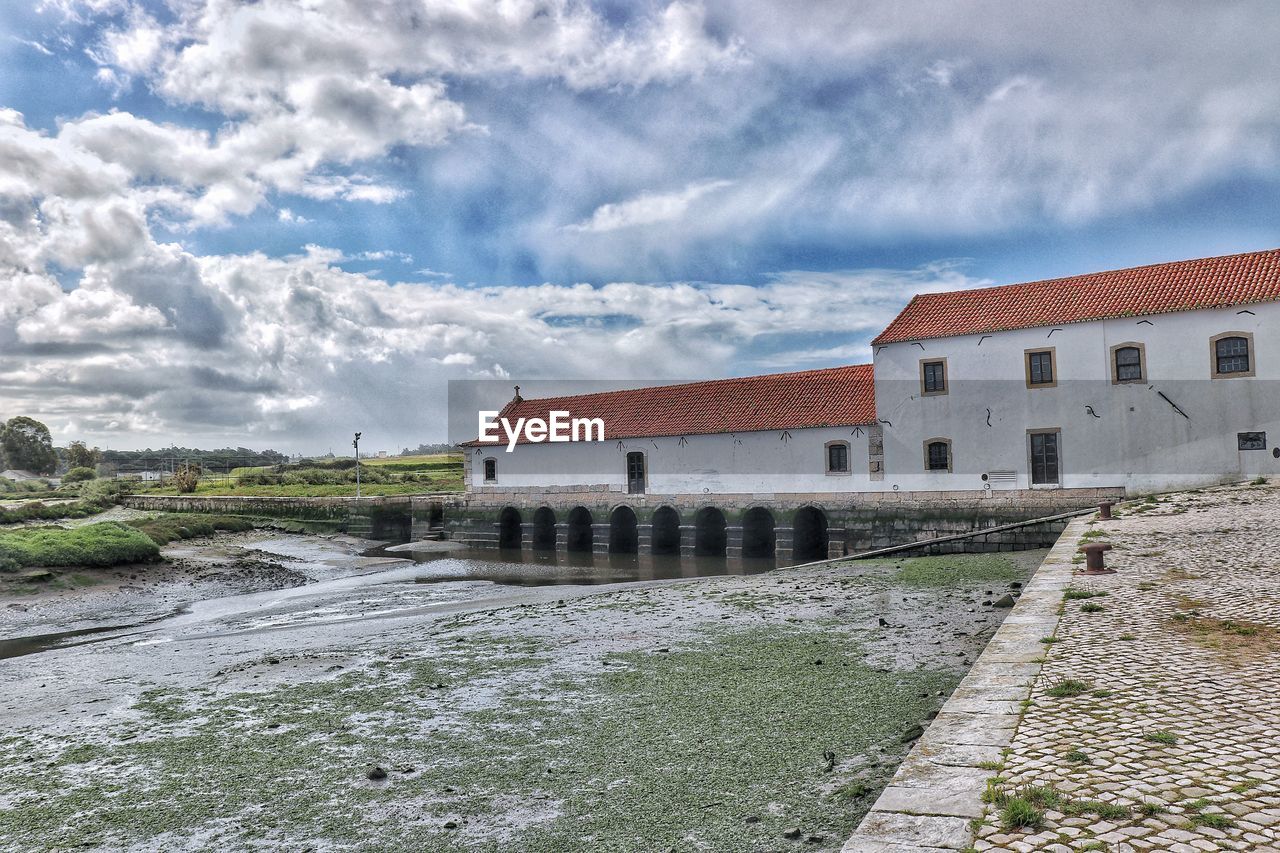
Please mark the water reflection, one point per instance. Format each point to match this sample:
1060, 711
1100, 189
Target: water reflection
542, 568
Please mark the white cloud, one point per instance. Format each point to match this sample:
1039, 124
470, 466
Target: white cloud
646, 209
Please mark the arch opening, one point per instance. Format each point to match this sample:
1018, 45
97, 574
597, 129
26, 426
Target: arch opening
809, 532
665, 538
709, 533
580, 538
758, 536
544, 529
509, 528
623, 538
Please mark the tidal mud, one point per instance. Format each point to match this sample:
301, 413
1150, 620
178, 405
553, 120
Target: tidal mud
363, 710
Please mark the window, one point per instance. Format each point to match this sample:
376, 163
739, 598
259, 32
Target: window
1231, 355
933, 377
937, 454
1041, 371
837, 457
1045, 458
1127, 363
491, 470
1251, 440
635, 472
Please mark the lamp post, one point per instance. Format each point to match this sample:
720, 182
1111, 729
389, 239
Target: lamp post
356, 445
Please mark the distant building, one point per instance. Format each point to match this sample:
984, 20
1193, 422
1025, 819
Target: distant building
382, 454
19, 476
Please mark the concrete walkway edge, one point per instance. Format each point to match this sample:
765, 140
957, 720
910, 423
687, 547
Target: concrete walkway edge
937, 791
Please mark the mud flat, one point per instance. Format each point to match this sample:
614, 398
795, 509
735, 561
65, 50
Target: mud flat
364, 709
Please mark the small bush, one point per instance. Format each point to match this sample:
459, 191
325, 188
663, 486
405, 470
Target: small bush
187, 478
79, 475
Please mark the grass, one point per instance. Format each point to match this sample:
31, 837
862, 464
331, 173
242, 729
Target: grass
1091, 607
1073, 594
403, 475
163, 529
1213, 820
1017, 813
1167, 738
106, 543
944, 571
1068, 687
1077, 756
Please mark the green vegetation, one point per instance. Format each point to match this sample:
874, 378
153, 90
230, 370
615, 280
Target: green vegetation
163, 529
1213, 820
1017, 813
107, 543
1073, 594
945, 571
79, 475
334, 478
1091, 607
1068, 687
1167, 738
1077, 756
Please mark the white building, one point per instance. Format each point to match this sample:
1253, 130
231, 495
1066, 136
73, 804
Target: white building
1144, 379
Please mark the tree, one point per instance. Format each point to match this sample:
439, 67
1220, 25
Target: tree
80, 456
28, 446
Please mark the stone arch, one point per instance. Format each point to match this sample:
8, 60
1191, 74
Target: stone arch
544, 529
758, 536
580, 536
709, 538
665, 538
809, 535
509, 529
623, 538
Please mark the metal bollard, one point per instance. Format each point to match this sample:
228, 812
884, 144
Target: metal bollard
1093, 562
1104, 509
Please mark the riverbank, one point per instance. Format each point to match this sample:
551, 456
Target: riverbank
732, 712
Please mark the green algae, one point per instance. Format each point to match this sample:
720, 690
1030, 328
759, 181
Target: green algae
654, 750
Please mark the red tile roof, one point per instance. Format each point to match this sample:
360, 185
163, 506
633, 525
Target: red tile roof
1155, 289
836, 396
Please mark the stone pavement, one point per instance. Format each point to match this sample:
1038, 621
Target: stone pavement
1154, 722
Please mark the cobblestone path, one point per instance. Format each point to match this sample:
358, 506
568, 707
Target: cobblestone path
1154, 724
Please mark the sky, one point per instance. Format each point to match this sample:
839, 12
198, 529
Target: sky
273, 223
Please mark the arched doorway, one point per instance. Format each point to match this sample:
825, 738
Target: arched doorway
580, 538
665, 538
809, 535
544, 529
622, 531
509, 528
709, 537
758, 537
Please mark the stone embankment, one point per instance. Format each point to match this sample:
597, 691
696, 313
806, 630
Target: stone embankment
1124, 712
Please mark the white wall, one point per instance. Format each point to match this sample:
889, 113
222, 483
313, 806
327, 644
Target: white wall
749, 462
1137, 439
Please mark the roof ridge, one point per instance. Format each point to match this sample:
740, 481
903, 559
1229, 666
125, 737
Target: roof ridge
722, 381
1147, 289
